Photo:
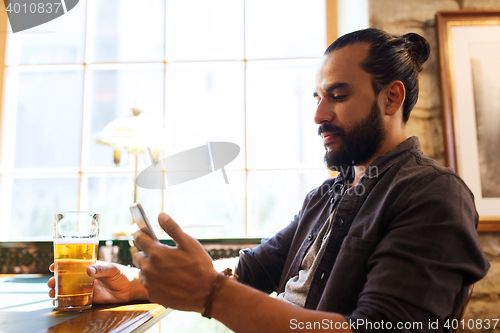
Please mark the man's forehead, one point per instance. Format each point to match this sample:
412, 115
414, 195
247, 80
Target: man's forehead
344, 61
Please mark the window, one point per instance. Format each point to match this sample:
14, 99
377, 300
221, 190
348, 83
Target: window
240, 71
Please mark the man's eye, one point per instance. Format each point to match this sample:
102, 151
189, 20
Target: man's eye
339, 97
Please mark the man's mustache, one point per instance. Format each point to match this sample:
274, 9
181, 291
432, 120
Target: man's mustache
330, 128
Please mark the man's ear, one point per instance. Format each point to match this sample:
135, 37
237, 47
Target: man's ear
395, 96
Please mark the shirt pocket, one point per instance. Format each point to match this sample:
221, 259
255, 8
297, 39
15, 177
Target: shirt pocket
357, 246
349, 272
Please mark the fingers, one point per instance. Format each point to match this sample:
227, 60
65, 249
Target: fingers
52, 284
139, 259
51, 267
144, 242
142, 279
182, 239
102, 270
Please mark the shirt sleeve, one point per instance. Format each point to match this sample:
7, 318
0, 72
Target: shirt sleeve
418, 272
262, 266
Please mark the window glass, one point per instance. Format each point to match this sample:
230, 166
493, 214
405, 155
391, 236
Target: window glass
280, 128
48, 122
110, 195
204, 102
284, 28
207, 207
34, 201
275, 197
126, 30
238, 71
204, 30
114, 92
151, 201
60, 41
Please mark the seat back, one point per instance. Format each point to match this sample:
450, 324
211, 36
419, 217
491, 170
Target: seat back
460, 313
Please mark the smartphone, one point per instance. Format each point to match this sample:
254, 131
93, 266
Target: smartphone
141, 220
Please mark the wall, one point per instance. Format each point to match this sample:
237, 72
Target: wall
402, 16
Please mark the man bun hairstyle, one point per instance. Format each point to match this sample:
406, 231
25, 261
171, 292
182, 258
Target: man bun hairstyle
418, 47
390, 58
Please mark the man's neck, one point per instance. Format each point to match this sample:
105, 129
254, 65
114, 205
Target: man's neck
359, 169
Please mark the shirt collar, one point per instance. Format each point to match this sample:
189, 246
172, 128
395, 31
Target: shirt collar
381, 163
385, 161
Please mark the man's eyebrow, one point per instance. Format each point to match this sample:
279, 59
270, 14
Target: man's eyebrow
332, 87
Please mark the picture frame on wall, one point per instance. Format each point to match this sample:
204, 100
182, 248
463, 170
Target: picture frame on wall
469, 55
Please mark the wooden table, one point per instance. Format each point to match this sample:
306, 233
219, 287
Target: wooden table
26, 307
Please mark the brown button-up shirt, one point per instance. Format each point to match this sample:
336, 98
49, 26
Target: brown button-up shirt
403, 245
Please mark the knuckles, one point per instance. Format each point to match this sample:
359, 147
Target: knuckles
154, 255
137, 259
148, 268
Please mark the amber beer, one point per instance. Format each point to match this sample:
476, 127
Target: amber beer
73, 285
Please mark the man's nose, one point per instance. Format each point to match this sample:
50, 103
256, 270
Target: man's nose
323, 113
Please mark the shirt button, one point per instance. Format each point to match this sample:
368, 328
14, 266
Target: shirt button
341, 221
310, 237
322, 276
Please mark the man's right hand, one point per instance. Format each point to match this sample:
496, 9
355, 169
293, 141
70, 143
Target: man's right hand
113, 283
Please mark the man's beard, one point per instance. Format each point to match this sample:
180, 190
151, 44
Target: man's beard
359, 144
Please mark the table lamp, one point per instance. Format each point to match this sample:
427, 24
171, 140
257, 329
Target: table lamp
135, 133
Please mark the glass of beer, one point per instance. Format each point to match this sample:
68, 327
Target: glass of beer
76, 238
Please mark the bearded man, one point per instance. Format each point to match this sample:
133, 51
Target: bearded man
369, 251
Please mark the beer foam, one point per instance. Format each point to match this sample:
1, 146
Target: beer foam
60, 241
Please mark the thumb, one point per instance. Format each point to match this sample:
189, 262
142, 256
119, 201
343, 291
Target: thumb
183, 240
97, 270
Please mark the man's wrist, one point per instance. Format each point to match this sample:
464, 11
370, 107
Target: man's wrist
217, 284
214, 289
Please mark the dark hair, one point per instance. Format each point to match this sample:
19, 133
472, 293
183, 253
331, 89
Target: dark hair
390, 58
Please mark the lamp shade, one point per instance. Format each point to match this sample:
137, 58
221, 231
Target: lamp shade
136, 133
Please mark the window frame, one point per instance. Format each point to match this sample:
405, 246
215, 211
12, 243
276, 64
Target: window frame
331, 35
